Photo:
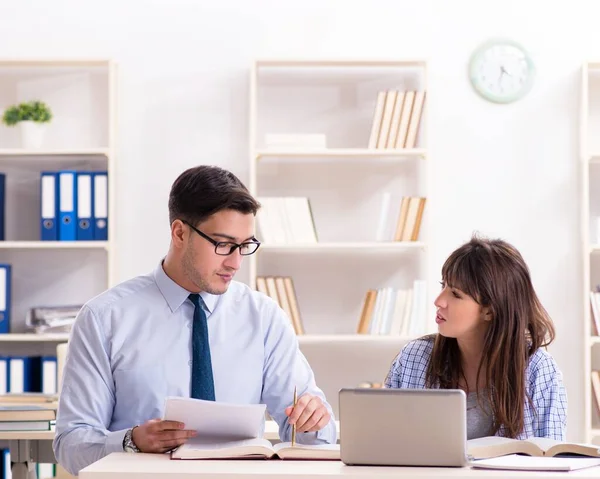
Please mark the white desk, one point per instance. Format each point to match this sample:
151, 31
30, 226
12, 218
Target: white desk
160, 466
27, 448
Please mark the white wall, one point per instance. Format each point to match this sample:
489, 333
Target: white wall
502, 170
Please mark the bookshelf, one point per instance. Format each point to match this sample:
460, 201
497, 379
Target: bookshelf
590, 233
332, 186
81, 136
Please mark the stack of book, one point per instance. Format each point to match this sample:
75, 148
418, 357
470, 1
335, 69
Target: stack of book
281, 289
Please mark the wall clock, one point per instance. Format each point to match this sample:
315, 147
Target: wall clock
501, 71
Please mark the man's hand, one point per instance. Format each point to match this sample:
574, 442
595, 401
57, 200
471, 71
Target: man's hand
309, 415
157, 435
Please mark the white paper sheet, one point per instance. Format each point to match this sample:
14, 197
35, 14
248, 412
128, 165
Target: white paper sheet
215, 419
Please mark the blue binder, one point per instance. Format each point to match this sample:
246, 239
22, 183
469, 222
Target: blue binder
85, 191
49, 195
67, 184
5, 299
5, 465
100, 204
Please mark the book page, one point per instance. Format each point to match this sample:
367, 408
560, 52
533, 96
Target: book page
553, 447
215, 420
527, 463
492, 446
307, 451
204, 448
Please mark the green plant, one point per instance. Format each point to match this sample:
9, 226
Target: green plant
28, 111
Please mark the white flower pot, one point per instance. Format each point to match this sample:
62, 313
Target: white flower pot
32, 134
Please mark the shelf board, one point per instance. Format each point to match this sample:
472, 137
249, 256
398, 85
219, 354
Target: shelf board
339, 62
34, 338
25, 153
595, 340
53, 244
350, 338
596, 432
367, 247
343, 154
595, 248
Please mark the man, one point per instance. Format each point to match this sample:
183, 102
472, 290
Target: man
186, 329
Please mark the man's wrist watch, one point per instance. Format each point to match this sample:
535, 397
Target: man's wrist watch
128, 444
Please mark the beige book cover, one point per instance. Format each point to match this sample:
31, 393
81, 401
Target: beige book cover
386, 121
377, 116
409, 98
415, 120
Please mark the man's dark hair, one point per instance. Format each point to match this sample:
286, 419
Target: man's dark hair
202, 191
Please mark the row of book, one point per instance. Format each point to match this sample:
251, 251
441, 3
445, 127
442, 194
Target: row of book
396, 119
28, 374
285, 220
281, 289
396, 312
408, 224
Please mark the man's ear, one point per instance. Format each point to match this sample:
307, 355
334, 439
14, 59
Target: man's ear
177, 233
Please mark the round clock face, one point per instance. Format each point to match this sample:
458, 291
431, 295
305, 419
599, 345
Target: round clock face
501, 71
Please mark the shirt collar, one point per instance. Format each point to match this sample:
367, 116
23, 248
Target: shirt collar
175, 295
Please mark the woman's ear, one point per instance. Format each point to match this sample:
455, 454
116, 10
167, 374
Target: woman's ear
486, 313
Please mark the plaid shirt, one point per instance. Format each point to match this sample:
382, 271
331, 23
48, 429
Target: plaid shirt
544, 384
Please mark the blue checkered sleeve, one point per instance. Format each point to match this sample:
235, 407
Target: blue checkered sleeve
410, 366
549, 397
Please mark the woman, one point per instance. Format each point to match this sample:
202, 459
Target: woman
491, 331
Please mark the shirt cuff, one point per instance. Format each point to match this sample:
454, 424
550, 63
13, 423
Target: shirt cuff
114, 441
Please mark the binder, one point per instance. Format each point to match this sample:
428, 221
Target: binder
85, 225
2, 205
49, 194
49, 375
5, 465
100, 204
24, 374
4, 379
67, 185
5, 297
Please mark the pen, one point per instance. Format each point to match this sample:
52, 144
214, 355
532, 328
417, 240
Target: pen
294, 425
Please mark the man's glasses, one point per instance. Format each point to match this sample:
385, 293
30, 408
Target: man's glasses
225, 248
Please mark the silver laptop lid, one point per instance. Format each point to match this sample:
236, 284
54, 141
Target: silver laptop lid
403, 427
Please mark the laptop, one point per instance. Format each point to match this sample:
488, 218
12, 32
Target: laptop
403, 427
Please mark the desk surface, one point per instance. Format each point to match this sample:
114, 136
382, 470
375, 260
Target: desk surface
160, 466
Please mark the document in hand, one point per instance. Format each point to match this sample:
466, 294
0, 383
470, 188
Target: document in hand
494, 446
516, 462
216, 421
258, 448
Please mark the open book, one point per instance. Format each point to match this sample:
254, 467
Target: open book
258, 448
494, 446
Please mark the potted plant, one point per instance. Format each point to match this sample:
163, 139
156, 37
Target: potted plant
32, 118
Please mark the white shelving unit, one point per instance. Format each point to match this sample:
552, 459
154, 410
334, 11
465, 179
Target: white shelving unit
590, 215
344, 181
82, 136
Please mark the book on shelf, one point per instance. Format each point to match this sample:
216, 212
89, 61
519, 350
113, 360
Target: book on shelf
286, 220
595, 377
396, 119
396, 312
254, 448
408, 223
282, 291
26, 417
595, 311
495, 446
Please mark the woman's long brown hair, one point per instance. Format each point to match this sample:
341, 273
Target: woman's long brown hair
495, 275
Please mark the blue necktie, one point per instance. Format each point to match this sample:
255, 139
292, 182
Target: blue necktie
203, 386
